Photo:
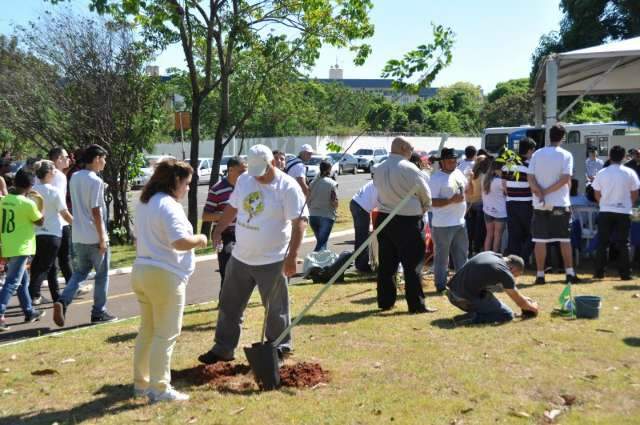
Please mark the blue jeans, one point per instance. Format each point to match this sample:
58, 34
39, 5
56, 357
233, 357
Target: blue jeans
448, 240
485, 309
85, 258
17, 276
321, 227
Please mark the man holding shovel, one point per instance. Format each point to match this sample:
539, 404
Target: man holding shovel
271, 217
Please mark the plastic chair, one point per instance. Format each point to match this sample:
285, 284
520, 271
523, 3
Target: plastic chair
586, 218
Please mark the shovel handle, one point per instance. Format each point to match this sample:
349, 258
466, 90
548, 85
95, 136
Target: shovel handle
346, 265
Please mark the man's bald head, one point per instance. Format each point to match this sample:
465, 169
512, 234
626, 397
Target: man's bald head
401, 146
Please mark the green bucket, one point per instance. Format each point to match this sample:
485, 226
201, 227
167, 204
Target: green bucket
588, 306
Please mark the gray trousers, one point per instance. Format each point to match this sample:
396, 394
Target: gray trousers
239, 281
447, 241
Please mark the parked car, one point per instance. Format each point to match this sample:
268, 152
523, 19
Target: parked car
146, 171
14, 167
367, 158
313, 167
346, 163
204, 170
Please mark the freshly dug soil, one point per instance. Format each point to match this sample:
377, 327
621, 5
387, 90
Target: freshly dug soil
237, 378
302, 375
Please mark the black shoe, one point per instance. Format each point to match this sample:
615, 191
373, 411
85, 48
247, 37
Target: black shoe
210, 358
598, 275
59, 312
627, 277
423, 309
35, 316
540, 280
572, 279
104, 317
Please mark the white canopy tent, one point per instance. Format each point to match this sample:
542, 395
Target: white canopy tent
612, 68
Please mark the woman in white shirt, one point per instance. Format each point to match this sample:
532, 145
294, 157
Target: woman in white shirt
494, 206
164, 262
49, 235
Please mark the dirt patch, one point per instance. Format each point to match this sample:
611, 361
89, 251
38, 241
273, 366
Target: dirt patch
238, 378
303, 375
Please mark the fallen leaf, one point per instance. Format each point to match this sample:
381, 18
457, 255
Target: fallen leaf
616, 308
467, 410
69, 360
192, 420
591, 377
240, 410
377, 412
636, 295
557, 400
569, 399
9, 391
319, 385
610, 369
415, 328
5, 370
519, 414
551, 415
13, 357
45, 372
377, 365
609, 331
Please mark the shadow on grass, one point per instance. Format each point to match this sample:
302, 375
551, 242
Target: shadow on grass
115, 339
332, 319
632, 341
349, 278
11, 335
109, 402
627, 287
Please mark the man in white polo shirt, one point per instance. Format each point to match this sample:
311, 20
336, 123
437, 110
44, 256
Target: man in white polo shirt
271, 216
550, 171
296, 169
616, 190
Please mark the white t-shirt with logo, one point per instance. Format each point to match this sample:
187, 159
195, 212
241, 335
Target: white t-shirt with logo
494, 203
615, 183
53, 205
444, 186
87, 192
547, 165
367, 197
159, 223
263, 222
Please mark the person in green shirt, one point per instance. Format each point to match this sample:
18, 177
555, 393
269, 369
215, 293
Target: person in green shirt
18, 214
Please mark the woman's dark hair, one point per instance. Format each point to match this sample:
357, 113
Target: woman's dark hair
91, 152
481, 166
525, 145
416, 160
165, 178
325, 169
488, 178
24, 179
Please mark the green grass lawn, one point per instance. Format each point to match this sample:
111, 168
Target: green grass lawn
123, 255
386, 367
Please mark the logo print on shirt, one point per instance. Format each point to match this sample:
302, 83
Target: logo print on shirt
253, 204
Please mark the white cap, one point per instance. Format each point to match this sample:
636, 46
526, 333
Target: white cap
306, 148
258, 158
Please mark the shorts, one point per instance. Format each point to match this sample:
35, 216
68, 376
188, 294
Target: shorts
491, 219
551, 225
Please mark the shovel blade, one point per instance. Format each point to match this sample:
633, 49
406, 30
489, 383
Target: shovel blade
263, 359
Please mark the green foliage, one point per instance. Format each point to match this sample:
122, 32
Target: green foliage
427, 59
507, 88
333, 147
588, 111
463, 102
445, 122
510, 110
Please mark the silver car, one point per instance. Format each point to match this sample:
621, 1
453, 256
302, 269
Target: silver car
346, 163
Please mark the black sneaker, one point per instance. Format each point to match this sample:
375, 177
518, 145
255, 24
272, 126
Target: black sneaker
104, 317
572, 278
540, 280
210, 358
35, 316
423, 309
627, 277
59, 311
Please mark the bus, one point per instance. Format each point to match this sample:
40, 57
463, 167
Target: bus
597, 135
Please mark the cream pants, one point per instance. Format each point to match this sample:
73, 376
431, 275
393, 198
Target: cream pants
161, 296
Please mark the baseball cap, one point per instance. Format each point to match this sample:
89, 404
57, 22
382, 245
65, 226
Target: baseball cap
306, 148
448, 153
258, 157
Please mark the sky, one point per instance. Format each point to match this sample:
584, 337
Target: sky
494, 38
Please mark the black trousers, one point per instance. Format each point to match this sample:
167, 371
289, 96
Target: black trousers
476, 230
228, 241
519, 216
613, 228
401, 242
361, 222
47, 247
64, 258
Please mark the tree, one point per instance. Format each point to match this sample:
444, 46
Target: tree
445, 122
588, 111
464, 101
510, 110
221, 37
510, 87
81, 81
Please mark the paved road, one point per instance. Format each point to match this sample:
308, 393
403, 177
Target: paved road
203, 286
348, 185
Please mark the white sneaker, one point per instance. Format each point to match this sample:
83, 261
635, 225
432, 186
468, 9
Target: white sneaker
85, 289
169, 395
141, 392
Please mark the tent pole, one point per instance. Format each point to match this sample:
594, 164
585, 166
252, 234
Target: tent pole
551, 109
538, 110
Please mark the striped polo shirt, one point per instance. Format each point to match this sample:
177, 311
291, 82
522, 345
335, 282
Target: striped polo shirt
518, 189
218, 199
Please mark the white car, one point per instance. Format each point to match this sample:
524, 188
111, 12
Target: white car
146, 171
313, 167
367, 158
204, 170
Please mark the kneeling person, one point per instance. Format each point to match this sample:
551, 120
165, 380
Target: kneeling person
471, 287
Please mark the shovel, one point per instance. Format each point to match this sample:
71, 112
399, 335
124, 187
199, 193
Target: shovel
263, 357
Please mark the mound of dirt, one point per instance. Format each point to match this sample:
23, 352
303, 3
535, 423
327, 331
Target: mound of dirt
303, 375
237, 378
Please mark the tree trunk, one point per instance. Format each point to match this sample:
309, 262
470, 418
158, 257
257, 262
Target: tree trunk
195, 152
